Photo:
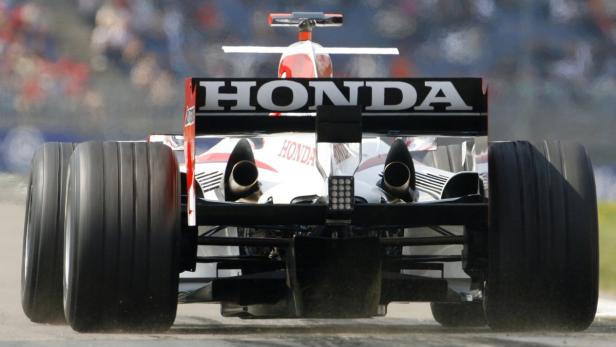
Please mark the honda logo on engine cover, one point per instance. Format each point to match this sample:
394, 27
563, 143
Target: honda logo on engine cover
404, 96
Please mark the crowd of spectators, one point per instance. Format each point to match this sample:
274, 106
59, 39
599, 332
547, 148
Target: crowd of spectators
538, 55
568, 40
32, 72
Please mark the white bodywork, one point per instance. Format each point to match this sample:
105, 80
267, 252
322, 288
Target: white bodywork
287, 169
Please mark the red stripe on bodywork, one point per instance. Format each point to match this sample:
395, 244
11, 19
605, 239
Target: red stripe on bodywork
224, 157
189, 149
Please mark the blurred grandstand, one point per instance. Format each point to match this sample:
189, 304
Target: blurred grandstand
74, 69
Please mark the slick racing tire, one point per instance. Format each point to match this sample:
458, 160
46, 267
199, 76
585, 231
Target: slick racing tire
458, 314
122, 237
543, 245
41, 275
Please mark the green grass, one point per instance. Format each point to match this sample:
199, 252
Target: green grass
607, 247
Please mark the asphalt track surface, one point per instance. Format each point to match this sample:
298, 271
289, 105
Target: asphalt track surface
202, 325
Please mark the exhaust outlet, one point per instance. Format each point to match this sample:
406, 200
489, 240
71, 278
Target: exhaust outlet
243, 178
397, 178
399, 172
241, 174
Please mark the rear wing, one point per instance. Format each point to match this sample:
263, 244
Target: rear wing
390, 107
410, 106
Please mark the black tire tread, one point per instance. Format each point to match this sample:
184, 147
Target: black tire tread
133, 238
458, 314
42, 290
543, 237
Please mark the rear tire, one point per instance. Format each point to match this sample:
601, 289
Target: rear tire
458, 314
543, 242
122, 237
41, 275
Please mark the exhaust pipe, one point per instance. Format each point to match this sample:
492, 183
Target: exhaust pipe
243, 178
399, 172
397, 178
241, 174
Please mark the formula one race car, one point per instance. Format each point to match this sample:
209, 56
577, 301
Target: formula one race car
326, 197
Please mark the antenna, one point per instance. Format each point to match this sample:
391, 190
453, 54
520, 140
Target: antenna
305, 21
